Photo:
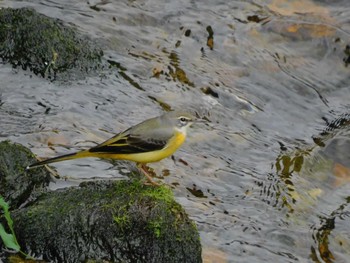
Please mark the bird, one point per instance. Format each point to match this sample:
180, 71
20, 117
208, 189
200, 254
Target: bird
149, 141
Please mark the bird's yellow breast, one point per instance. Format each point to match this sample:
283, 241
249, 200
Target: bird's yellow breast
154, 156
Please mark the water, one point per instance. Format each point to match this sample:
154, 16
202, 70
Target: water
252, 177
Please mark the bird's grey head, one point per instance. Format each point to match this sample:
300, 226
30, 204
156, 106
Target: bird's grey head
181, 120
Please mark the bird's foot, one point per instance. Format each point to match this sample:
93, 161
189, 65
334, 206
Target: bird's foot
146, 171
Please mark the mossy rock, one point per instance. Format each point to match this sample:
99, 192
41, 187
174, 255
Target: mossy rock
17, 184
122, 221
45, 45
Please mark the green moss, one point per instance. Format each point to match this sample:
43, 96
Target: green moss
135, 192
138, 189
156, 227
122, 221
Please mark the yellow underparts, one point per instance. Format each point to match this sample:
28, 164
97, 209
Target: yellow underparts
149, 157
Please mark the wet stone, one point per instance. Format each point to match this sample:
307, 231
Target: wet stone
17, 184
54, 50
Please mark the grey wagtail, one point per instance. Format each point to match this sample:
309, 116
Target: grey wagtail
149, 141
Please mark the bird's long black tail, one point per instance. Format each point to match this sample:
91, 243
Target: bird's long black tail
65, 157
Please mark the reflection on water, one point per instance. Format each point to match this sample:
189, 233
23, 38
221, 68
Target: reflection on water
266, 177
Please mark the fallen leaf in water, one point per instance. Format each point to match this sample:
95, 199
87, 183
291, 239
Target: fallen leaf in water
210, 42
323, 247
157, 71
311, 30
58, 140
342, 174
289, 8
213, 255
315, 193
166, 172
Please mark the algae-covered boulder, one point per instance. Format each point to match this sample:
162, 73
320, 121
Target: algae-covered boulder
109, 221
114, 221
45, 45
17, 184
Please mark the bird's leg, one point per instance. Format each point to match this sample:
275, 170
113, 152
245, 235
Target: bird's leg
145, 171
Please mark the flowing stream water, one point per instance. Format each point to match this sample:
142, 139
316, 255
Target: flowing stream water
268, 76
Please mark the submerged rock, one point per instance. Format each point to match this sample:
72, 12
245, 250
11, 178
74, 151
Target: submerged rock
45, 45
113, 221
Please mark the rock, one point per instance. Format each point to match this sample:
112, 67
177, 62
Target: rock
17, 184
44, 45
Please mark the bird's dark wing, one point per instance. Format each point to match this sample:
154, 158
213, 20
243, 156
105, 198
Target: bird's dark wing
129, 143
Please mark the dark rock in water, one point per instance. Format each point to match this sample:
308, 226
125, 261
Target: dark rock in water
17, 184
113, 221
45, 45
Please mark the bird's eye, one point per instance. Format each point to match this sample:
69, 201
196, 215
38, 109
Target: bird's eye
184, 121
